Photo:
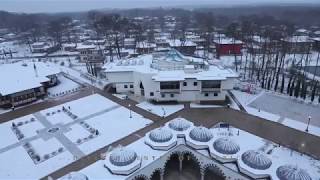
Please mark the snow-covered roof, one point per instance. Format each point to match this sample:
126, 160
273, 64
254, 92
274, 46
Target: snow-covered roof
84, 46
178, 43
122, 157
227, 41
74, 176
160, 135
201, 134
292, 172
279, 156
179, 124
298, 39
168, 71
23, 76
256, 160
226, 146
146, 45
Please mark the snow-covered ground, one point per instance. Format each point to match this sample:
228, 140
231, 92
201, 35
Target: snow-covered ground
16, 164
65, 86
301, 126
282, 109
163, 110
112, 126
287, 107
110, 119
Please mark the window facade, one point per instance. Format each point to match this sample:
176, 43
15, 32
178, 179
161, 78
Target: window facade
211, 84
170, 85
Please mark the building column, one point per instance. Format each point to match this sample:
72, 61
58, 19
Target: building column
161, 174
202, 173
180, 162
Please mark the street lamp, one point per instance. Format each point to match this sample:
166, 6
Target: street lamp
130, 111
309, 119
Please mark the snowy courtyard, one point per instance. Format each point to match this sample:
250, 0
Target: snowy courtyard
287, 107
53, 138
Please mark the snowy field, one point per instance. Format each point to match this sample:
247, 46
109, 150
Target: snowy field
60, 147
160, 110
65, 86
287, 107
112, 126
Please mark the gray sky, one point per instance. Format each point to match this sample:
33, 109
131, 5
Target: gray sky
31, 6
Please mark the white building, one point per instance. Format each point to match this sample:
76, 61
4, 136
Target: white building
226, 152
90, 53
170, 76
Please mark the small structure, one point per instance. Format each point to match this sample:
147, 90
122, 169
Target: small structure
228, 46
256, 160
43, 47
90, 53
161, 139
298, 44
226, 146
74, 176
145, 47
291, 172
122, 161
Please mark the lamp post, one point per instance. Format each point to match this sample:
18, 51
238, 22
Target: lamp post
309, 119
130, 111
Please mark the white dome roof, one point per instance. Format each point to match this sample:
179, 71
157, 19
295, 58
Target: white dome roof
160, 135
122, 157
226, 146
75, 176
179, 124
256, 160
201, 134
291, 172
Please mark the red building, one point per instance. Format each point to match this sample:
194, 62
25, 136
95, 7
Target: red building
228, 46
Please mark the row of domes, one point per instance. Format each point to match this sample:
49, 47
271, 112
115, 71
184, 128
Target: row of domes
224, 145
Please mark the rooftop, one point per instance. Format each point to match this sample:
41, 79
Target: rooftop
21, 76
171, 66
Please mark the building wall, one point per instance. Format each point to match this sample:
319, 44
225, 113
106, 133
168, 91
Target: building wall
152, 91
227, 49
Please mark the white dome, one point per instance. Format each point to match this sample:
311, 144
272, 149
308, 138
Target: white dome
226, 146
201, 134
256, 160
291, 172
122, 157
179, 124
160, 135
75, 176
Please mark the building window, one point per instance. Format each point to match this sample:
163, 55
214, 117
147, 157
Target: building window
172, 95
151, 94
215, 94
131, 86
206, 94
184, 83
125, 86
195, 83
163, 95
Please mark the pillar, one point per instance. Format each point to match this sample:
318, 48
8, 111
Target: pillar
202, 172
161, 174
180, 162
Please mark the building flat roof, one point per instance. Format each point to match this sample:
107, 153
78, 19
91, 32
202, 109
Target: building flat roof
143, 64
20, 76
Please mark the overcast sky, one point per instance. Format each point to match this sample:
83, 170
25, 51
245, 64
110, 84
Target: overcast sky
31, 6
